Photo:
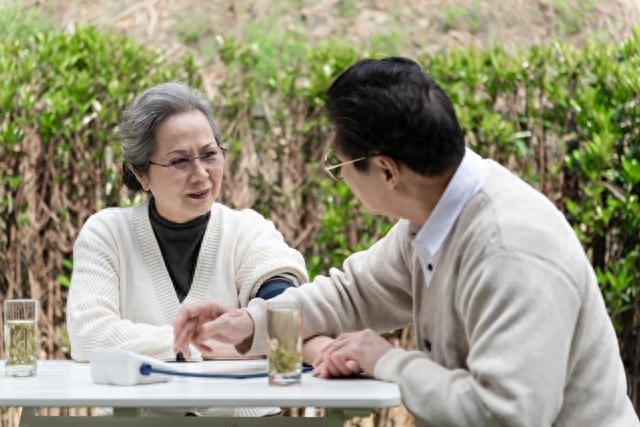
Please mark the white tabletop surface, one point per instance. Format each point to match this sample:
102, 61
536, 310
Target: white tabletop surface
68, 384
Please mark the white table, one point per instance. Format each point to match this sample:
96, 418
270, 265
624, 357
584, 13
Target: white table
68, 384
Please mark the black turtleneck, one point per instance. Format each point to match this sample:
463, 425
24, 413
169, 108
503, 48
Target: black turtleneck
180, 245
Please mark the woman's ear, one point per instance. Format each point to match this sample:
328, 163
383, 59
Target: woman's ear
142, 179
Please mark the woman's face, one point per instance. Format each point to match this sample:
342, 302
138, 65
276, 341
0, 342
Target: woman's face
184, 193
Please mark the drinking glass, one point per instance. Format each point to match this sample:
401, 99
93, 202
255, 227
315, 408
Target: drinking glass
20, 337
284, 327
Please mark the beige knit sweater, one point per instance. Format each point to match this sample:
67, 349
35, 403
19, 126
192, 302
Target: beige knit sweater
511, 328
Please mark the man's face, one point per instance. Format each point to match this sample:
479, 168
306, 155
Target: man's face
368, 186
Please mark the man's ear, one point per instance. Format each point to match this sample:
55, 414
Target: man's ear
142, 179
390, 169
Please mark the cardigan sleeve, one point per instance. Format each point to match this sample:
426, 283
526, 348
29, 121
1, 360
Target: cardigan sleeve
371, 282
262, 254
517, 314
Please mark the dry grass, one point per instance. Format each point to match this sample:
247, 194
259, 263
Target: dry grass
413, 26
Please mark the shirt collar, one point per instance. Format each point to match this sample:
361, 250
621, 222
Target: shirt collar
467, 180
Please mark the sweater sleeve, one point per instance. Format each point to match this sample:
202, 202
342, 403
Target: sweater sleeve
374, 281
93, 308
262, 256
517, 321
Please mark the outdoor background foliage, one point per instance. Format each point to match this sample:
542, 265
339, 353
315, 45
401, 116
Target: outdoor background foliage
566, 119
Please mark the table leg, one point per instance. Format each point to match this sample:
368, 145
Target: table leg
27, 417
126, 412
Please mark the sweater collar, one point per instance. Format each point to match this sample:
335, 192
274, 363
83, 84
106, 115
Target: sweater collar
466, 182
154, 263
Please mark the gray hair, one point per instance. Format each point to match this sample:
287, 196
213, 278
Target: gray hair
139, 119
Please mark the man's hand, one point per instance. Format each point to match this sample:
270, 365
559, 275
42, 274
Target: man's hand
350, 354
205, 322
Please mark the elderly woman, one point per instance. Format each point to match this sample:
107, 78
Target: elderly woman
134, 267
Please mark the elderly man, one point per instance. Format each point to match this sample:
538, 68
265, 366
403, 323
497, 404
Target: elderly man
510, 325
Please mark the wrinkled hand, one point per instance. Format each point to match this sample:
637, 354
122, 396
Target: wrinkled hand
350, 354
208, 321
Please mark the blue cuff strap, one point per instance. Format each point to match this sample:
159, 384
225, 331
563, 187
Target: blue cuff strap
273, 287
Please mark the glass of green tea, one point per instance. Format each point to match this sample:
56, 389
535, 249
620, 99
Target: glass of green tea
20, 337
284, 334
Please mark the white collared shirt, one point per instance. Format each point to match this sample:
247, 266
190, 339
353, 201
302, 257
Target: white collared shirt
467, 180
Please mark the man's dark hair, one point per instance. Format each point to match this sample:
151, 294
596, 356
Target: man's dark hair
392, 107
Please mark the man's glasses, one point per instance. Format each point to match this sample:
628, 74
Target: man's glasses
183, 166
333, 164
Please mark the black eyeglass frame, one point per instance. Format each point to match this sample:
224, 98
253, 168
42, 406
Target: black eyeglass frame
188, 160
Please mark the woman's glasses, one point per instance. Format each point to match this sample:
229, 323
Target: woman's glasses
183, 166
